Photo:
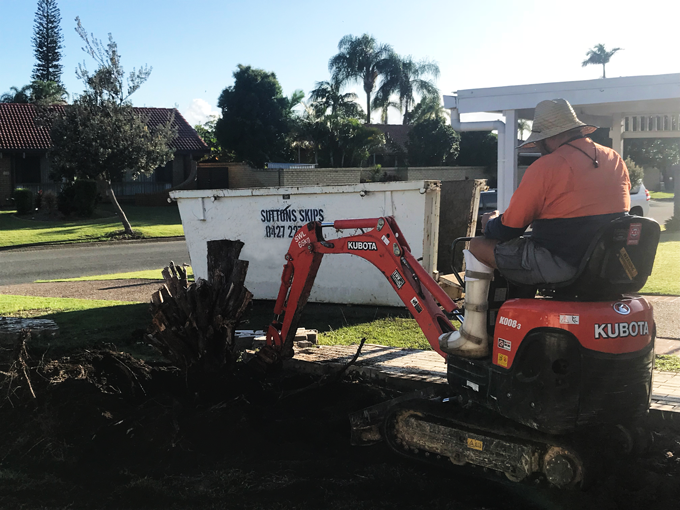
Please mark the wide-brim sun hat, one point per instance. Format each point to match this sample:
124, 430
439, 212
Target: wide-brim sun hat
553, 117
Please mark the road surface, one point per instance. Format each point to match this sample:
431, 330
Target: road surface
660, 210
71, 261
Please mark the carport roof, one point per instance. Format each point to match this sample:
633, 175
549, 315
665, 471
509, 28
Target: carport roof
594, 100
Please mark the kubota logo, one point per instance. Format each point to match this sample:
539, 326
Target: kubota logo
621, 329
359, 245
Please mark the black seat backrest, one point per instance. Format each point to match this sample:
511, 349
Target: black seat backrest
618, 261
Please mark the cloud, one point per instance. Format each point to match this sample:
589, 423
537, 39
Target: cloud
199, 111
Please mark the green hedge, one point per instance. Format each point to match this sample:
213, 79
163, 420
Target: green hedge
23, 199
79, 198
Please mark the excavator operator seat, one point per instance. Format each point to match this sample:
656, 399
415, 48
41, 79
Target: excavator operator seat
618, 261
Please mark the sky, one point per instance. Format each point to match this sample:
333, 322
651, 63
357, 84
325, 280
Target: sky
194, 47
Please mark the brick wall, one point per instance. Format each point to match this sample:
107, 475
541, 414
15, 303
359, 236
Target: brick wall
321, 176
5, 182
242, 176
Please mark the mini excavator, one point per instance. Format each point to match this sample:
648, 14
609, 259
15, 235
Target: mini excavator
570, 364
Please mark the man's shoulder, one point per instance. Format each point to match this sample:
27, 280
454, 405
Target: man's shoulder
549, 161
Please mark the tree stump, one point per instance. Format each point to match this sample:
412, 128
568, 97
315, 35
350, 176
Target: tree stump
193, 325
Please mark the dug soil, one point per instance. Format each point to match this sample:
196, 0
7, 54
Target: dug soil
106, 430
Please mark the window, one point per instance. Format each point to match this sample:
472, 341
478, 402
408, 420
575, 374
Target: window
27, 170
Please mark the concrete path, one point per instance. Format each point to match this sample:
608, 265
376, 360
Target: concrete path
408, 369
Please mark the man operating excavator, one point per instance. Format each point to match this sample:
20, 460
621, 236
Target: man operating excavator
576, 187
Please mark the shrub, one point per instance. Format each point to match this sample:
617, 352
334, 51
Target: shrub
673, 224
635, 172
48, 203
79, 198
23, 199
37, 200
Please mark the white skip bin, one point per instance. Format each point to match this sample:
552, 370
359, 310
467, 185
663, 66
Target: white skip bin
266, 219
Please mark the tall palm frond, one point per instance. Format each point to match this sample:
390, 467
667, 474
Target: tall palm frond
360, 59
599, 56
17, 95
328, 96
429, 107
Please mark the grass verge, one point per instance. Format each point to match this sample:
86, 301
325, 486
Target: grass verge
661, 195
151, 274
667, 363
665, 277
149, 221
83, 323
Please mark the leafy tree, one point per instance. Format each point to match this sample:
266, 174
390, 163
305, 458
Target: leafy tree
432, 143
17, 95
662, 153
47, 42
599, 55
478, 148
100, 136
256, 117
48, 92
328, 96
635, 172
207, 132
361, 59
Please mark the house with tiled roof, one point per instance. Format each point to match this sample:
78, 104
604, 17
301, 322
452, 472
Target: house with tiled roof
24, 145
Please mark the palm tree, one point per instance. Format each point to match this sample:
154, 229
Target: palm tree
327, 95
429, 107
383, 106
48, 92
523, 126
599, 55
360, 59
17, 95
405, 77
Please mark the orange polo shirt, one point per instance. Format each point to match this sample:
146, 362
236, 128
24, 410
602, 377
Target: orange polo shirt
565, 184
566, 199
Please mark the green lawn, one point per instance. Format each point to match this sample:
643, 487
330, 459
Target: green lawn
86, 324
665, 278
83, 323
661, 195
150, 221
150, 274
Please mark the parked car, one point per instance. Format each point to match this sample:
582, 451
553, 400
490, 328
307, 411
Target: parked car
639, 200
488, 202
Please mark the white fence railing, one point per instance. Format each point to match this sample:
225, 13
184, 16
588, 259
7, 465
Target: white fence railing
655, 122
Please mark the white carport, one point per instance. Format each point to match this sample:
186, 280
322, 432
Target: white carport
631, 107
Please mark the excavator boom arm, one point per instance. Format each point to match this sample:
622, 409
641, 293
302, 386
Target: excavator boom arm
383, 246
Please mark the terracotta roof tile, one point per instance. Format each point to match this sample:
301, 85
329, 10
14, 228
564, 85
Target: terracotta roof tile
18, 130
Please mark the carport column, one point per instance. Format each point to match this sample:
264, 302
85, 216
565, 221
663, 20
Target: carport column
507, 160
615, 133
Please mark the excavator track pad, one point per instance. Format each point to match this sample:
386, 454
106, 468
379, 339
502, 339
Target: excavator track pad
443, 432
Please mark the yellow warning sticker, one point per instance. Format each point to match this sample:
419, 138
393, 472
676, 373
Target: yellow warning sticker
502, 360
627, 264
475, 444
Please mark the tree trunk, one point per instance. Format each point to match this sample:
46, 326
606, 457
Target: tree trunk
194, 325
676, 189
121, 214
368, 107
604, 74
